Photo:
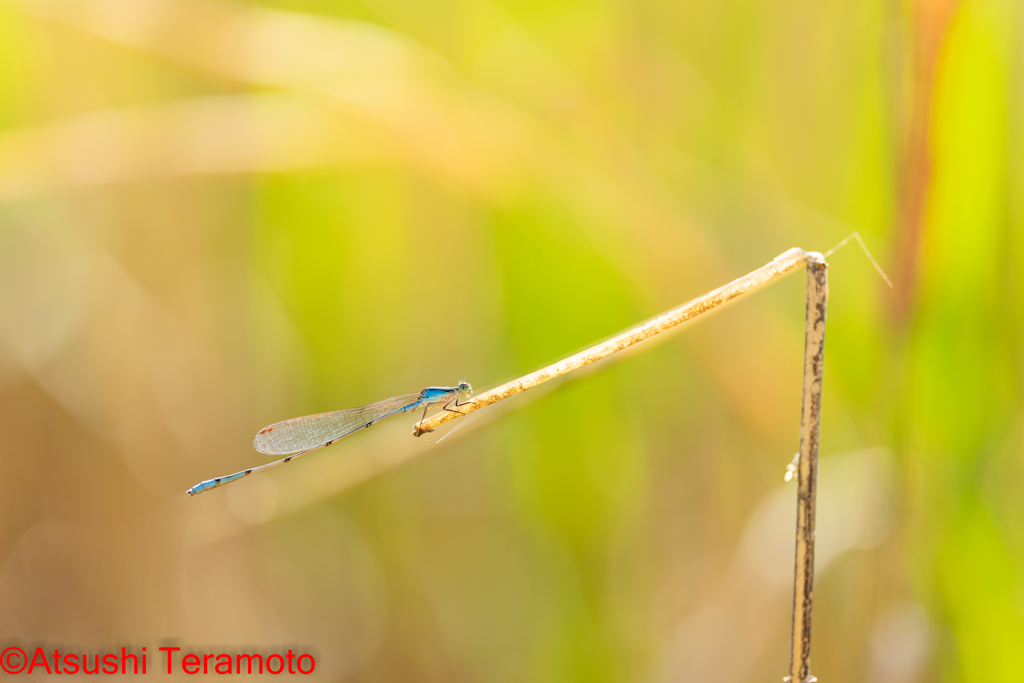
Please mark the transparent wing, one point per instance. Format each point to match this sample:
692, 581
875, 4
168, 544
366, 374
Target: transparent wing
313, 431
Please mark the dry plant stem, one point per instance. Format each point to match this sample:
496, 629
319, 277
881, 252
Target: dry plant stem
783, 264
807, 471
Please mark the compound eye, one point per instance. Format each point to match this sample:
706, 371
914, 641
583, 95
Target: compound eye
464, 387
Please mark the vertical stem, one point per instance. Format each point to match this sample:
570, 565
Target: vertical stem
807, 479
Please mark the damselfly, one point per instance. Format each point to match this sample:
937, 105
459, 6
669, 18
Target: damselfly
302, 435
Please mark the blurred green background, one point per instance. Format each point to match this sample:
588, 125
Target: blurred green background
214, 216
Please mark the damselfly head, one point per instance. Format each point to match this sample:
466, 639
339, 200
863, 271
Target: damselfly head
465, 389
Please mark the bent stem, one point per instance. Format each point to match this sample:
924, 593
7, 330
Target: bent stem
807, 471
782, 265
810, 416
